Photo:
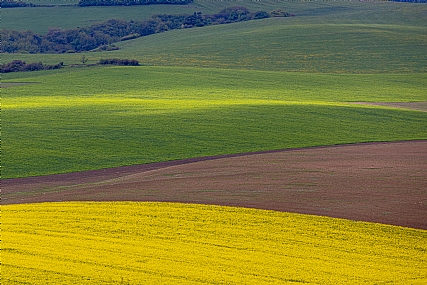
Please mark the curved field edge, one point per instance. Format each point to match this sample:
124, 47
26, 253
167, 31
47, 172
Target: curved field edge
108, 117
333, 181
169, 243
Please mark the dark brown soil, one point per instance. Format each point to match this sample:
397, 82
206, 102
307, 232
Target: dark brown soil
374, 182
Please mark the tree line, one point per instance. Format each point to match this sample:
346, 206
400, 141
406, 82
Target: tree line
84, 3
13, 4
19, 65
101, 36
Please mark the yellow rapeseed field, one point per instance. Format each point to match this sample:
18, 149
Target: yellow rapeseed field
172, 243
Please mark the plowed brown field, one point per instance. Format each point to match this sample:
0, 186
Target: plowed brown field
374, 182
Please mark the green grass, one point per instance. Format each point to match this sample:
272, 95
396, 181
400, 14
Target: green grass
286, 45
167, 243
104, 117
193, 83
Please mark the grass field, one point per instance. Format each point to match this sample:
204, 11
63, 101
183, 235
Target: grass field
104, 117
163, 243
285, 45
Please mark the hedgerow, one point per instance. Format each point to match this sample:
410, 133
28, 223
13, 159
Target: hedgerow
117, 61
84, 3
19, 65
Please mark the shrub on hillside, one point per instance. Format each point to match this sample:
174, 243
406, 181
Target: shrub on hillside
261, 15
19, 65
13, 66
32, 66
117, 61
234, 14
279, 13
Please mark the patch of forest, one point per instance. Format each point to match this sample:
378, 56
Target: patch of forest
16, 4
101, 36
130, 2
85, 3
19, 65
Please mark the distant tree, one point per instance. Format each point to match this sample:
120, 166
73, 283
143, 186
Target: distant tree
235, 14
13, 66
117, 61
33, 66
261, 15
195, 20
83, 59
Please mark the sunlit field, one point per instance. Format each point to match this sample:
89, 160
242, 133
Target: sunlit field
163, 243
105, 117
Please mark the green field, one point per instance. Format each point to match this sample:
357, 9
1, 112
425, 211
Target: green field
104, 117
163, 243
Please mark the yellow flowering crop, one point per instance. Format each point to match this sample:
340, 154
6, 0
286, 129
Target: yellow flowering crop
171, 243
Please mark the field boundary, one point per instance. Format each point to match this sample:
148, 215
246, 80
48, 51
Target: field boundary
138, 168
380, 182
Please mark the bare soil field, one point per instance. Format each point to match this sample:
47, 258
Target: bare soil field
374, 182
